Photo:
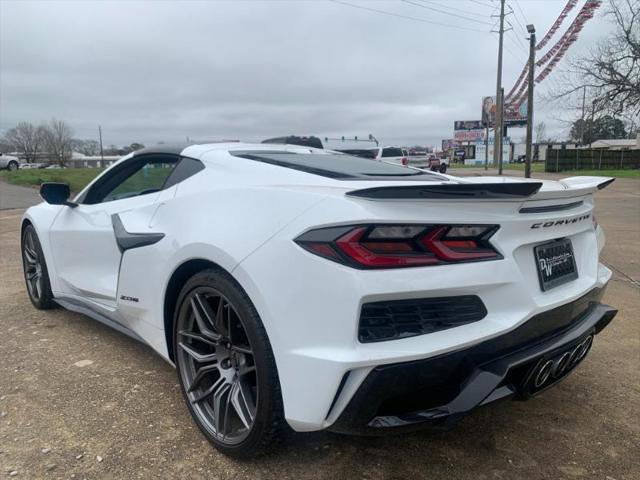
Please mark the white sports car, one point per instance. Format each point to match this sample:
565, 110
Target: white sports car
304, 288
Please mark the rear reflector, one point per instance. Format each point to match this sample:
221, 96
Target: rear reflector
392, 320
396, 246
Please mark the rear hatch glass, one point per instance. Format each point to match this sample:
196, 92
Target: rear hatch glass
341, 167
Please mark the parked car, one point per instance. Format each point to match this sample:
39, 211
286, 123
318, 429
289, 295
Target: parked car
384, 154
292, 286
437, 164
9, 162
31, 166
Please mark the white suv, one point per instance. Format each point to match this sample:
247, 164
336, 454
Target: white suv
384, 154
9, 162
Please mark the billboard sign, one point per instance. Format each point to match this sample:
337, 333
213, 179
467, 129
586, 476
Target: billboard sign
469, 135
449, 143
514, 115
488, 111
467, 125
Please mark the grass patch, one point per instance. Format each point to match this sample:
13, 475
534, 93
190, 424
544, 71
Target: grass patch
77, 178
539, 168
618, 173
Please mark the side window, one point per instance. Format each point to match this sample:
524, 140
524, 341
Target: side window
138, 176
186, 168
148, 179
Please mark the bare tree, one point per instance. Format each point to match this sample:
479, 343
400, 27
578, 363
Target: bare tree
609, 74
91, 148
541, 132
26, 139
58, 137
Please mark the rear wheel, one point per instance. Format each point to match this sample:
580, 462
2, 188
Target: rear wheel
226, 366
36, 275
13, 166
443, 168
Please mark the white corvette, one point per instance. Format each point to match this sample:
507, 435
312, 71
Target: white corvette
305, 288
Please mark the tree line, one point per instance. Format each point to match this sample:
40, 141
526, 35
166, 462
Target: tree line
603, 85
55, 142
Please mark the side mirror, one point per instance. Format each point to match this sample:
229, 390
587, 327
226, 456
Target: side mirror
56, 194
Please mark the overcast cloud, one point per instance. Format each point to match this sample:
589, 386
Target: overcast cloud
162, 71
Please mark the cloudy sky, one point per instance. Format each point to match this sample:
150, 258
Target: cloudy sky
163, 71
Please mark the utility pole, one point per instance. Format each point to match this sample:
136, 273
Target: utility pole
497, 132
101, 151
501, 123
584, 97
532, 65
486, 147
593, 114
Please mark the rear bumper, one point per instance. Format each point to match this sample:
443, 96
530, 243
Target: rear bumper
439, 391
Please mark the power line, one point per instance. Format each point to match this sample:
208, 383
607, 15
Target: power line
518, 20
515, 55
407, 17
517, 37
483, 4
483, 15
445, 12
524, 17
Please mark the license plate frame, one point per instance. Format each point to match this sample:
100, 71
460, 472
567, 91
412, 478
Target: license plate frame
552, 257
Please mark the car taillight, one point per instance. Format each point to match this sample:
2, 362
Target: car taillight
395, 246
405, 161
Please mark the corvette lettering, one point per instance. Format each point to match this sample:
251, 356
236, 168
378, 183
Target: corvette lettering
567, 221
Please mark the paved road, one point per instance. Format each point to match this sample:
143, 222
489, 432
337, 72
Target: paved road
14, 196
126, 406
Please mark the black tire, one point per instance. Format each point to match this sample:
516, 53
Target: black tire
36, 275
13, 166
268, 418
434, 169
443, 168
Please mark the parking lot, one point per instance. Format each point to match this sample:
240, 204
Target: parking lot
78, 400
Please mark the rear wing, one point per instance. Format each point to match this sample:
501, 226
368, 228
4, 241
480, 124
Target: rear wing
587, 182
476, 189
513, 191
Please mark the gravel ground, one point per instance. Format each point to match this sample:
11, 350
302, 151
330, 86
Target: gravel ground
78, 400
14, 196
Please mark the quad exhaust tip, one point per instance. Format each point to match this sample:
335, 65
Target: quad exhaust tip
556, 368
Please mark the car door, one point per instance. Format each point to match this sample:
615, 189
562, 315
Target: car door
83, 241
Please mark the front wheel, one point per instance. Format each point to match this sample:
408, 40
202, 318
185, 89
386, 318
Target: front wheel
443, 168
36, 275
226, 366
13, 166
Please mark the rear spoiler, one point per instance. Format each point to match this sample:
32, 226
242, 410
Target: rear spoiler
587, 182
515, 190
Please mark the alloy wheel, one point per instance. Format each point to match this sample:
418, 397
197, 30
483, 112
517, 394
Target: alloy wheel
217, 365
33, 266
